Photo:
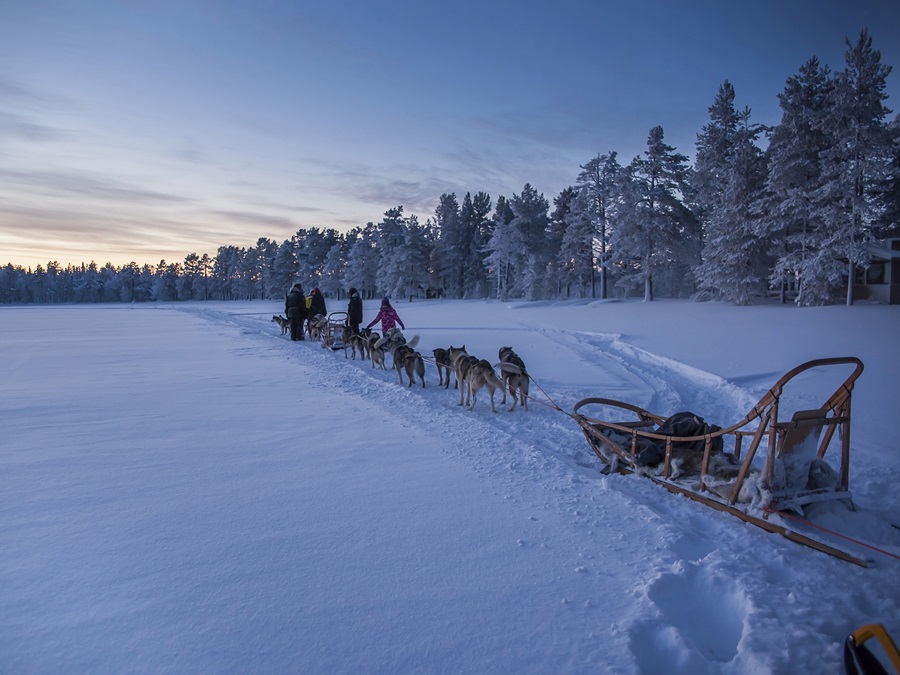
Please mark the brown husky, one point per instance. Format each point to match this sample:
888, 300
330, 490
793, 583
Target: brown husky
481, 374
514, 376
358, 342
461, 361
442, 361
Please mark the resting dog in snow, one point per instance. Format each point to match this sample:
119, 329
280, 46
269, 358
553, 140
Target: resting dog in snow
514, 376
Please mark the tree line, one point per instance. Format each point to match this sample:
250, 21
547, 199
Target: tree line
797, 219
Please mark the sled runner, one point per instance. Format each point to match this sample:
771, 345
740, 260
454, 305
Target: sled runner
719, 466
333, 331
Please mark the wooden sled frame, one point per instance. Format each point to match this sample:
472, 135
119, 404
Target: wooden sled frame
333, 332
785, 440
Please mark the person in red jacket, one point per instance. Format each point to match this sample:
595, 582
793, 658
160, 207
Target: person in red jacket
388, 317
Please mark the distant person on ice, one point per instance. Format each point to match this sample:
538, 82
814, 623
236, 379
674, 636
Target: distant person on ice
388, 317
354, 311
295, 308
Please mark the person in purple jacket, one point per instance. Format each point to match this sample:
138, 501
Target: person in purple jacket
388, 317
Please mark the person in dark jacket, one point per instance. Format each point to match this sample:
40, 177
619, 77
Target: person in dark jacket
295, 308
317, 304
354, 311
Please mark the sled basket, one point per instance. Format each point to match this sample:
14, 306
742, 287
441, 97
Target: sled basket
333, 332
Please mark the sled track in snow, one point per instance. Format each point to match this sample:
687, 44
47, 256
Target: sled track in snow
541, 446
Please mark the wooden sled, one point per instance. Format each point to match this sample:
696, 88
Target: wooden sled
794, 473
333, 331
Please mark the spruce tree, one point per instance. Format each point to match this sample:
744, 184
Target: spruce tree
787, 220
853, 167
728, 177
599, 185
657, 231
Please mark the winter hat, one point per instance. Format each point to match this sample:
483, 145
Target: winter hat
385, 302
316, 291
353, 291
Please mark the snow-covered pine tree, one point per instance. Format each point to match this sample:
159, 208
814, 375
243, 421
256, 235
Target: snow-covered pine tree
657, 231
451, 247
392, 246
331, 282
505, 249
284, 268
363, 257
889, 190
600, 186
728, 176
477, 228
531, 219
412, 276
853, 167
561, 219
794, 174
575, 260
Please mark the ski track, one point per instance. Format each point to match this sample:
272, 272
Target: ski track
691, 609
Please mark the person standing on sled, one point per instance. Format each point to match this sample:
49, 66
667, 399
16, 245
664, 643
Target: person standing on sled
388, 317
354, 311
295, 308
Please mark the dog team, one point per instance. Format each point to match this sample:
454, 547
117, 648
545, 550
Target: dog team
471, 374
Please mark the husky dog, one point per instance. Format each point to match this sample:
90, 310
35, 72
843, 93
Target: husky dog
358, 342
460, 362
376, 353
514, 376
315, 325
481, 374
442, 361
403, 355
408, 359
284, 323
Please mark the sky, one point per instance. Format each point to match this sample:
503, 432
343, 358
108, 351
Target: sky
183, 489
148, 130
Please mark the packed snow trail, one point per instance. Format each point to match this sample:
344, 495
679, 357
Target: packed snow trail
706, 592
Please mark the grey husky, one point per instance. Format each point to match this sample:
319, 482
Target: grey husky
514, 376
376, 353
404, 356
284, 323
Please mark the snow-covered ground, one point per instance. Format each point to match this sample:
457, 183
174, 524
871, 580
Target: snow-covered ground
183, 489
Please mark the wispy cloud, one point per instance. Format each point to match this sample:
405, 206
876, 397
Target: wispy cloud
54, 183
20, 128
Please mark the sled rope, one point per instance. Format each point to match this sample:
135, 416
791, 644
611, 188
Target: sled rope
789, 516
